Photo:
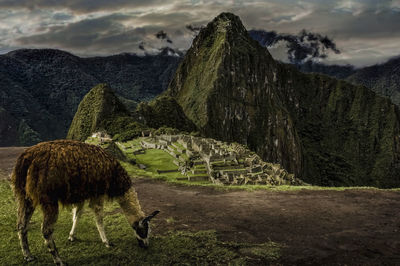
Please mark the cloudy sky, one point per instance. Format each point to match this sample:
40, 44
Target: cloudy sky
366, 31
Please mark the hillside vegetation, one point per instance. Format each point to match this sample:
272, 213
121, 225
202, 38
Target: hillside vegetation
40, 89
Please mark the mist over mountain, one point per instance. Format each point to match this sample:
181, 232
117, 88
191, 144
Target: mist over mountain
305, 50
302, 47
40, 89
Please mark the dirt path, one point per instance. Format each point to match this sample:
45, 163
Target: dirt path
354, 227
8, 155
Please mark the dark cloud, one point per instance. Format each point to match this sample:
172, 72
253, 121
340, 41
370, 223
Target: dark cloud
365, 30
100, 35
80, 6
301, 47
162, 35
62, 16
194, 29
141, 46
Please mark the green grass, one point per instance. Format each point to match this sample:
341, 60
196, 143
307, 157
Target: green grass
280, 188
154, 160
174, 247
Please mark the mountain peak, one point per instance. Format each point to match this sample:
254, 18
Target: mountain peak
228, 22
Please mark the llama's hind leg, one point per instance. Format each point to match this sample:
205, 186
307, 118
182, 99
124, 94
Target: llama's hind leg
77, 212
50, 214
97, 206
25, 211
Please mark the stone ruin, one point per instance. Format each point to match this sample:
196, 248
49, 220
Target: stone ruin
204, 159
103, 137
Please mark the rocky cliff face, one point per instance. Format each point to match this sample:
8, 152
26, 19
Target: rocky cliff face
164, 111
325, 131
41, 88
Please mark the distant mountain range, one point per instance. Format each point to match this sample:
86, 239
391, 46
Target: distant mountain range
40, 89
384, 79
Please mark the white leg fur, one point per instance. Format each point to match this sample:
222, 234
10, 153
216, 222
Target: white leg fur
97, 206
77, 212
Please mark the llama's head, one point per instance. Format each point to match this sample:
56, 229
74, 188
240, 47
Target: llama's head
142, 230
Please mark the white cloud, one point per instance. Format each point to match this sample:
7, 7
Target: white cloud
349, 6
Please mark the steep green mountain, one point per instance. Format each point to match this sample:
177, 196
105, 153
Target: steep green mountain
41, 88
326, 131
384, 79
97, 107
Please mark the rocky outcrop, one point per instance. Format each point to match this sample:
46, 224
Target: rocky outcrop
325, 131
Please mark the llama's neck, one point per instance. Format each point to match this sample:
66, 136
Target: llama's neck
131, 206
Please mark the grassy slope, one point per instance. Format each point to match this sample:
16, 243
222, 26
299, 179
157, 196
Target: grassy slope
173, 247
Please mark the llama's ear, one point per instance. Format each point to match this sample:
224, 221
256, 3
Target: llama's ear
151, 216
154, 214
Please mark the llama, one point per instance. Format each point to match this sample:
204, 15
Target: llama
71, 172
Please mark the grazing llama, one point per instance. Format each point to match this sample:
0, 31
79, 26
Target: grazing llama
70, 172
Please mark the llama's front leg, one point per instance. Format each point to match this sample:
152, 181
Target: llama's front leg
50, 214
97, 206
25, 211
76, 211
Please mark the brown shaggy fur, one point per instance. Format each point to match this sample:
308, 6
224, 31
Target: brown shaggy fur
69, 172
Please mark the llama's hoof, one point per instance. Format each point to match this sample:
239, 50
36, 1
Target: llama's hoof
29, 258
60, 263
71, 238
109, 244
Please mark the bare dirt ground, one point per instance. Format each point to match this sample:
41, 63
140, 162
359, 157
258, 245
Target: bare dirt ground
352, 227
8, 156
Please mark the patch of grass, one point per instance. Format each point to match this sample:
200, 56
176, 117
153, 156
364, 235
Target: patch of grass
154, 160
170, 220
3, 174
184, 248
281, 188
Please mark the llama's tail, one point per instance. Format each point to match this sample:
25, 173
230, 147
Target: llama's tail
18, 176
